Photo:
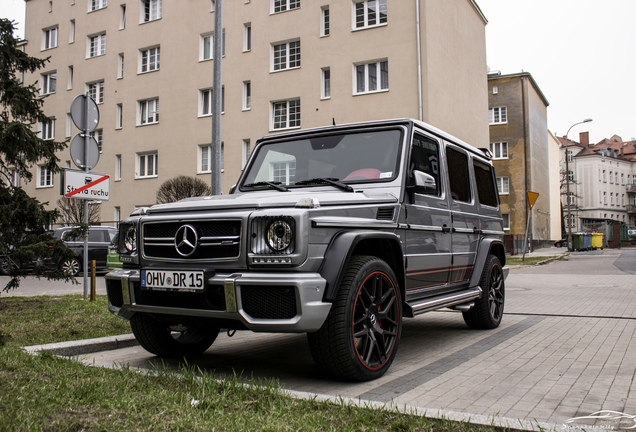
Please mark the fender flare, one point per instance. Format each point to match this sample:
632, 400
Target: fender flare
339, 252
485, 248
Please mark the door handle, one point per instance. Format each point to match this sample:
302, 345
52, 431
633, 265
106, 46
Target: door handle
445, 228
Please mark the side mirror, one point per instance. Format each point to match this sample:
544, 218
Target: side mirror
232, 189
424, 183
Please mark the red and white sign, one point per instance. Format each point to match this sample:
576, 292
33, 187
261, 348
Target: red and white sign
86, 185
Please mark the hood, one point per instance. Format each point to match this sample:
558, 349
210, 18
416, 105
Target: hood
273, 199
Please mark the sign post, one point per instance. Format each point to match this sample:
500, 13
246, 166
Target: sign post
85, 115
532, 199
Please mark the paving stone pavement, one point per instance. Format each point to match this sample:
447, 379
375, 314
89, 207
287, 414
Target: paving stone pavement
566, 348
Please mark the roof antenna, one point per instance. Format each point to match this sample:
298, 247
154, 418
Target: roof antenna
334, 120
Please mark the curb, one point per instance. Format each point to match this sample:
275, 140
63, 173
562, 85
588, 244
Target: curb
86, 346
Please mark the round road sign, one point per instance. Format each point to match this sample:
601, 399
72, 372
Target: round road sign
79, 113
77, 151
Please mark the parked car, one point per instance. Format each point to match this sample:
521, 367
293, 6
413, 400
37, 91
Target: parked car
339, 232
561, 243
99, 239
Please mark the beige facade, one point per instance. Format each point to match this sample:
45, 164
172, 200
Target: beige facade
555, 187
115, 45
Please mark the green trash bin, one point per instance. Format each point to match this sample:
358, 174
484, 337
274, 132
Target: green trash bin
597, 240
577, 241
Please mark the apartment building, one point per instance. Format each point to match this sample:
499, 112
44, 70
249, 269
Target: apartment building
602, 180
287, 64
519, 143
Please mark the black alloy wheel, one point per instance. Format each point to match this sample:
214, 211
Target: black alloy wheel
488, 310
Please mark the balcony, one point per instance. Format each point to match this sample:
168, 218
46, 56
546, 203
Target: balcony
631, 188
631, 208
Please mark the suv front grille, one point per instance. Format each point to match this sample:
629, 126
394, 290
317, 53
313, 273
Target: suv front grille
217, 239
269, 302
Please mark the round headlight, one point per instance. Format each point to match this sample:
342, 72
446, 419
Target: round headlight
279, 235
130, 239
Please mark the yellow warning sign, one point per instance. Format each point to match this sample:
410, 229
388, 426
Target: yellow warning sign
532, 198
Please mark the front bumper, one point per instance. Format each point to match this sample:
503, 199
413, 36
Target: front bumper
266, 302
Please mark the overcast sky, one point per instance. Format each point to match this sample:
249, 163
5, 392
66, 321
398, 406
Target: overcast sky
581, 53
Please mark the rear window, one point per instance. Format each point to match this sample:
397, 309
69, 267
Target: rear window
486, 191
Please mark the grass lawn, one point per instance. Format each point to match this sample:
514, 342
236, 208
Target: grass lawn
48, 393
530, 260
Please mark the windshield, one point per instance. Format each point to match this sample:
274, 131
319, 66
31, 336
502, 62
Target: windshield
350, 158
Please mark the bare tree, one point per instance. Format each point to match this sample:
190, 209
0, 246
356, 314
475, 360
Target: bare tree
181, 187
72, 211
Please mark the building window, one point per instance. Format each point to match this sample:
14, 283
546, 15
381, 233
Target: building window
366, 77
206, 103
148, 111
604, 178
71, 32
122, 17
604, 197
570, 155
503, 185
611, 178
612, 198
98, 135
570, 176
150, 10
119, 118
49, 83
69, 125
47, 129
616, 177
506, 221
117, 167
146, 165
499, 150
69, 83
206, 46
286, 55
96, 45
117, 216
284, 172
96, 91
622, 199
120, 65
246, 151
622, 179
284, 5
369, 13
571, 198
45, 176
324, 21
286, 114
497, 115
569, 220
14, 177
326, 83
94, 5
247, 37
247, 95
495, 90
149, 59
205, 158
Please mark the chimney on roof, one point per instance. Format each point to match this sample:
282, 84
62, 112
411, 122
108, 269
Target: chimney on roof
584, 138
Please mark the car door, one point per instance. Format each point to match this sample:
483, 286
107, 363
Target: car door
98, 242
427, 220
491, 223
464, 215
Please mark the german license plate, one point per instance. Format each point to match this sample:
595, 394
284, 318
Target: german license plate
173, 280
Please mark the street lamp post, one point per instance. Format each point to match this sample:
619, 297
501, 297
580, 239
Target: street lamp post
567, 183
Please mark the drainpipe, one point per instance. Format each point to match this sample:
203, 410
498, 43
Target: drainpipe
525, 147
419, 58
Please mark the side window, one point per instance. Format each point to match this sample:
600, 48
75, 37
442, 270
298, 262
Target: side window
425, 158
95, 236
458, 175
486, 192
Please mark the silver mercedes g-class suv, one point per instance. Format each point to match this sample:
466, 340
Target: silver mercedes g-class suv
339, 232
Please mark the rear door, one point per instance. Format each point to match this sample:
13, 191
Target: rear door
491, 223
428, 221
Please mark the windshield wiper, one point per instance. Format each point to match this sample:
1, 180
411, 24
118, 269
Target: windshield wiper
275, 185
332, 181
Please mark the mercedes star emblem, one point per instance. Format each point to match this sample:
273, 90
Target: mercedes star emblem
186, 240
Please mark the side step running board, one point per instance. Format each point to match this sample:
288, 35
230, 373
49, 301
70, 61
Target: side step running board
420, 306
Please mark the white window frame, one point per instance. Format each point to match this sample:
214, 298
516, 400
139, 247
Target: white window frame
69, 80
206, 40
284, 121
503, 185
96, 45
45, 177
247, 95
148, 111
47, 129
49, 38
324, 21
153, 59
69, 125
95, 5
571, 199
117, 167
366, 70
120, 65
71, 31
96, 91
49, 83
247, 37
381, 5
153, 14
286, 167
498, 149
611, 177
325, 83
283, 61
206, 98
506, 221
247, 150
14, 177
569, 155
604, 177
144, 158
122, 16
119, 115
204, 158
280, 6
98, 135
605, 198
498, 115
